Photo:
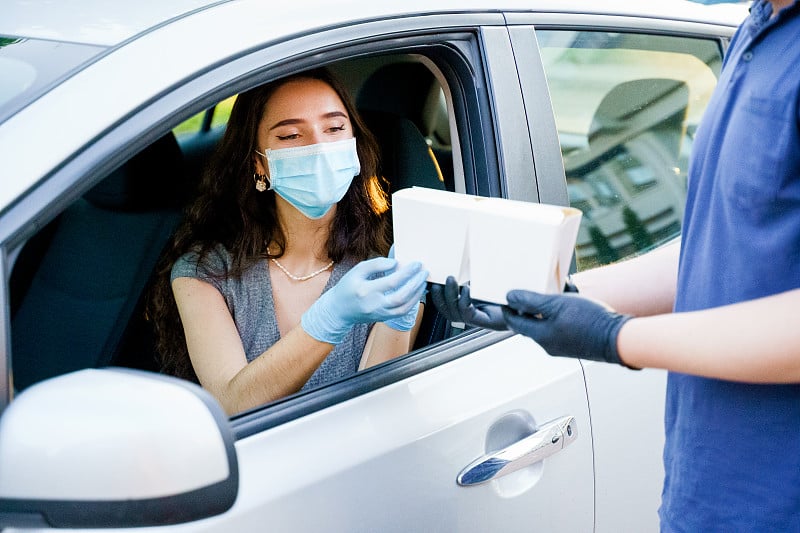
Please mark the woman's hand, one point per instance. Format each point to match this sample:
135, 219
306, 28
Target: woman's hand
375, 290
407, 321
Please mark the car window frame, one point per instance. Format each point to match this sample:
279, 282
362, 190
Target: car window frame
483, 158
56, 191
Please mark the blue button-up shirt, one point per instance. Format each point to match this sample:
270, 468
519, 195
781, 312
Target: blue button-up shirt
732, 456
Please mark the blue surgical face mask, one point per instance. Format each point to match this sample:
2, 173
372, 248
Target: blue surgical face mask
314, 177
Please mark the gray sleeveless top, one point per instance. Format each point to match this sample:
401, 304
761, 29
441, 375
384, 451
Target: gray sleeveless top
249, 299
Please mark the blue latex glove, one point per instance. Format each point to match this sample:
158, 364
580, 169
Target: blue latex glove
372, 291
566, 325
407, 321
459, 307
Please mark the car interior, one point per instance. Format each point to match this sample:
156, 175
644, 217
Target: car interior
78, 286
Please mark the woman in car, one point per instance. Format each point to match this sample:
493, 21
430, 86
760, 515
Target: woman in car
276, 281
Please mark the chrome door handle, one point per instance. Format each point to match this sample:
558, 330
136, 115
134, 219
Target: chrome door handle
550, 438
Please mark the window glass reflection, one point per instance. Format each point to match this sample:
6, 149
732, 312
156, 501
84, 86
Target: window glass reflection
626, 107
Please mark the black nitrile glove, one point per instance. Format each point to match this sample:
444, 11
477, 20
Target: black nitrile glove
566, 325
459, 307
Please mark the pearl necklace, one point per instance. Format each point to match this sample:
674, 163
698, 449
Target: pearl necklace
301, 278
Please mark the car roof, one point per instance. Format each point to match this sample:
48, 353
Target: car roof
191, 35
111, 22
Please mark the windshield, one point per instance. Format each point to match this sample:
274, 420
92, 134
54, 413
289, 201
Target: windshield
28, 67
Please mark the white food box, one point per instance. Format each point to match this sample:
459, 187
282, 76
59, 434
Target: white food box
431, 226
494, 244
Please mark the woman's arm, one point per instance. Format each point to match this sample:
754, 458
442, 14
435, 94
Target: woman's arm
757, 341
216, 350
385, 343
219, 360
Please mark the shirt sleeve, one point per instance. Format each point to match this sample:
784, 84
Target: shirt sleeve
211, 269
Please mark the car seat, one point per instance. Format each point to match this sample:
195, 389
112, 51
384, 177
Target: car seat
404, 90
406, 159
92, 265
401, 89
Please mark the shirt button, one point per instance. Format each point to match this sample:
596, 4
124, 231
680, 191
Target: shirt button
747, 56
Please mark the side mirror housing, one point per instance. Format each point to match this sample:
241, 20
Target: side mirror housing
114, 448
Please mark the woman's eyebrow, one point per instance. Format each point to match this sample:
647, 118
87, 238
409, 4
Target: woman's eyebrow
286, 122
292, 121
334, 114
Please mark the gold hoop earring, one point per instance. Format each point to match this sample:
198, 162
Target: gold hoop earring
261, 181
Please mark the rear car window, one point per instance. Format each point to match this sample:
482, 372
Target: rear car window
29, 67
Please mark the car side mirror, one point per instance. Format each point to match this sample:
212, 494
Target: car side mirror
114, 448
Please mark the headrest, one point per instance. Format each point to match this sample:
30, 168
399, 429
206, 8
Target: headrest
400, 88
406, 159
152, 179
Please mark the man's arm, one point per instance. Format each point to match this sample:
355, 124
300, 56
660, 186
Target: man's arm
642, 286
757, 341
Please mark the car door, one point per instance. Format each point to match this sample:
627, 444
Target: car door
389, 459
627, 95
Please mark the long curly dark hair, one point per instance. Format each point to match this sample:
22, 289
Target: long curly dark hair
228, 211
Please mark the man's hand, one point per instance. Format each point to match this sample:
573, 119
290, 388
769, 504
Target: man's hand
457, 306
566, 325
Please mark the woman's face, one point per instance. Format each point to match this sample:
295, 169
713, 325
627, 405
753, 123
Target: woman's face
302, 112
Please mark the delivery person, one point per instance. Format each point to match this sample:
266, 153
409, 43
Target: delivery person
732, 344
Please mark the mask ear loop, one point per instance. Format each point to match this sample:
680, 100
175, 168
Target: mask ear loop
260, 179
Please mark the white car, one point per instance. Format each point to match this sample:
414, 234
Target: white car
107, 112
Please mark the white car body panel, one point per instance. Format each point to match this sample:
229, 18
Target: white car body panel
110, 23
627, 411
413, 438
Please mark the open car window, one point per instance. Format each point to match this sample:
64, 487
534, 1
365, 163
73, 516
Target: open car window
87, 274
